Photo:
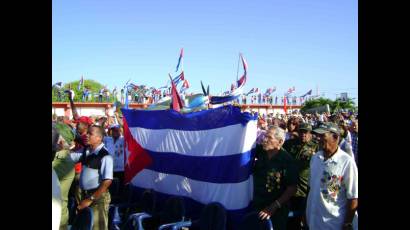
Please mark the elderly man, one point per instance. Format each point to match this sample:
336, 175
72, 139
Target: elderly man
96, 177
333, 196
301, 149
275, 178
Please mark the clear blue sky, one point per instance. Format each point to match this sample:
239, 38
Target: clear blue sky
285, 42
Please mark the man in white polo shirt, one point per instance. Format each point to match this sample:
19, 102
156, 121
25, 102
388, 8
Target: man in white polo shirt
333, 196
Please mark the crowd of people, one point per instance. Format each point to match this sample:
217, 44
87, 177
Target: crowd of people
262, 99
151, 95
307, 165
304, 164
87, 95
88, 153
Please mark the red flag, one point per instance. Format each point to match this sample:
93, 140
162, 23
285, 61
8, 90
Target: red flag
176, 99
138, 158
242, 80
284, 104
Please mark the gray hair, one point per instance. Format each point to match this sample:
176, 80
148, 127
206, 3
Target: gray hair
278, 132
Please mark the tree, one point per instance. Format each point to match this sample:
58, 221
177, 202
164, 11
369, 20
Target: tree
340, 104
92, 85
334, 105
315, 103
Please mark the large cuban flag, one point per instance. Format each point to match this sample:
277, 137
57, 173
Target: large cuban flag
203, 156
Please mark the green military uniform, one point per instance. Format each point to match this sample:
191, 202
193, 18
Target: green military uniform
271, 178
301, 152
64, 168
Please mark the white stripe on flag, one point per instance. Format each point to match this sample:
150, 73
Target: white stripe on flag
203, 192
223, 141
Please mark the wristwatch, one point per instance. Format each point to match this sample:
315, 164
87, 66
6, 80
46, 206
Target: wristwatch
92, 198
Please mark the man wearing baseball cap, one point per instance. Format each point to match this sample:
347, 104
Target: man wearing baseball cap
333, 197
301, 149
81, 141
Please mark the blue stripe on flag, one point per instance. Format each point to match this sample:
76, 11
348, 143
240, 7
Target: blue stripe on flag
202, 120
222, 99
221, 169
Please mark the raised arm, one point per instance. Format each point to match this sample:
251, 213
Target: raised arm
73, 108
110, 120
119, 120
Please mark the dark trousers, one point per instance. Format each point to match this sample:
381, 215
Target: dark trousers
120, 176
298, 207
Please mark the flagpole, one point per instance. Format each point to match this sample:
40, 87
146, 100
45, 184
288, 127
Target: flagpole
182, 61
237, 71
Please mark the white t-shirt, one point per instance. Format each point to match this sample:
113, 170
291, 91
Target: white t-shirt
117, 152
331, 183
